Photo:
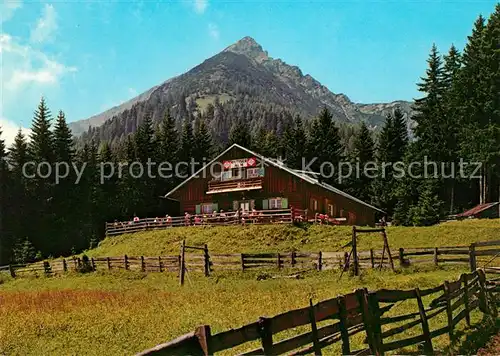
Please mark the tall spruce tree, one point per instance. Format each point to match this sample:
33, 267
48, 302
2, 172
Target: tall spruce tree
5, 248
324, 147
240, 134
203, 146
360, 184
392, 146
295, 144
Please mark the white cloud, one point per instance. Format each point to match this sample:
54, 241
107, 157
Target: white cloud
24, 66
132, 91
213, 31
200, 6
46, 25
10, 129
7, 9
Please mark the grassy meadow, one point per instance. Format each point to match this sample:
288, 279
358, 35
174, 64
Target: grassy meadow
285, 238
127, 312
124, 313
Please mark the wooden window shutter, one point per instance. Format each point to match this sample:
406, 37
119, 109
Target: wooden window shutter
284, 203
265, 204
198, 209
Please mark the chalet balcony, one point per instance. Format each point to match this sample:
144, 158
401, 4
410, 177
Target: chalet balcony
224, 186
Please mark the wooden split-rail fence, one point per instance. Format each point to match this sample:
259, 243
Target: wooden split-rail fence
256, 217
484, 255
337, 320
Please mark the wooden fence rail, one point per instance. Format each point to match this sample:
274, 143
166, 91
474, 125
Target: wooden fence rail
480, 254
256, 217
337, 320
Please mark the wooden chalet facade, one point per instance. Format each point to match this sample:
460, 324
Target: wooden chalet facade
240, 178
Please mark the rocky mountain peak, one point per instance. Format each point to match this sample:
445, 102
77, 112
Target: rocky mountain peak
250, 48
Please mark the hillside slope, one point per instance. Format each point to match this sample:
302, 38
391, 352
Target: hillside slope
243, 71
285, 238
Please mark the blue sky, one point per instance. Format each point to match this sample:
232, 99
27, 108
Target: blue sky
86, 57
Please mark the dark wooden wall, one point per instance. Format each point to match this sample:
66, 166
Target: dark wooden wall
276, 183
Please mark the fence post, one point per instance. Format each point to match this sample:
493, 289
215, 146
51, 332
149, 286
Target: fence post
314, 329
125, 261
279, 260
425, 324
242, 262
372, 258
367, 319
206, 258
46, 267
449, 312
401, 257
108, 261
204, 335
472, 257
79, 262
93, 263
65, 265
377, 327
355, 252
436, 253
466, 298
266, 335
159, 264
344, 334
143, 265
182, 267
293, 257
320, 261
483, 301
346, 263
12, 271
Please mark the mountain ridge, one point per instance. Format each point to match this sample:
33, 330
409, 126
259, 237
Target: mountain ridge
245, 69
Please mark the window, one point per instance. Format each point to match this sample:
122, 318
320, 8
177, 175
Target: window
237, 173
207, 208
275, 203
314, 205
253, 172
330, 210
226, 175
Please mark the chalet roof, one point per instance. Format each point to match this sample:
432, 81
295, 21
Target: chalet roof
279, 165
477, 209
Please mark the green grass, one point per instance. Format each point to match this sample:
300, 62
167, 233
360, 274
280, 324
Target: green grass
124, 313
285, 238
209, 99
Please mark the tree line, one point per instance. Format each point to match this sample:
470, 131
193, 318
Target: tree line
457, 117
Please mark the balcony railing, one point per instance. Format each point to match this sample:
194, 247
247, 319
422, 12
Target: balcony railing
218, 186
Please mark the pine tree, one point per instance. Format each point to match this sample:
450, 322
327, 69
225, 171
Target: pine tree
18, 193
240, 135
63, 140
42, 139
392, 146
203, 146
4, 239
295, 144
427, 212
18, 154
187, 141
429, 117
361, 183
324, 147
144, 140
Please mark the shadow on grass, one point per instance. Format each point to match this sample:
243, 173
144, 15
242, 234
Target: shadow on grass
476, 337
